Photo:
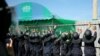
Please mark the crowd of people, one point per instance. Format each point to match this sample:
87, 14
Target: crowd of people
49, 44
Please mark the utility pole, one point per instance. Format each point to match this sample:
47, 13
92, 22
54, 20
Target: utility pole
95, 9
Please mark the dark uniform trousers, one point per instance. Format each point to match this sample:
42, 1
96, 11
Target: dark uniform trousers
56, 49
90, 51
63, 48
76, 48
21, 49
47, 49
36, 49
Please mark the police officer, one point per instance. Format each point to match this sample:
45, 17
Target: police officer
89, 40
15, 44
47, 45
76, 45
26, 44
21, 49
53, 47
63, 45
5, 21
69, 43
16, 40
56, 47
35, 45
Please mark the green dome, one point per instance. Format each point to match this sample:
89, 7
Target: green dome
31, 11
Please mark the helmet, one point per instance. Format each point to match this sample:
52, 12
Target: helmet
88, 34
75, 35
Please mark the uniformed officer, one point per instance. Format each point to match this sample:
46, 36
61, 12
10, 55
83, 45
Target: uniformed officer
5, 21
89, 40
35, 45
26, 44
21, 48
63, 45
56, 47
47, 45
76, 45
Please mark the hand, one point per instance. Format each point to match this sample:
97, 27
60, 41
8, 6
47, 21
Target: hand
9, 44
89, 24
55, 27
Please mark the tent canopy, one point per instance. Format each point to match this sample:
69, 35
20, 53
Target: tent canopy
36, 16
61, 24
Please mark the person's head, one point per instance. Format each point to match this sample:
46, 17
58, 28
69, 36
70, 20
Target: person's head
88, 34
79, 31
75, 35
94, 28
64, 36
89, 24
